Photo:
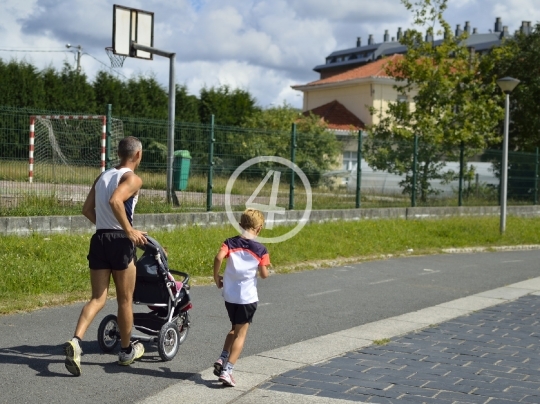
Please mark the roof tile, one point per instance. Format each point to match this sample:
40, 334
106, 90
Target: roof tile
337, 116
373, 69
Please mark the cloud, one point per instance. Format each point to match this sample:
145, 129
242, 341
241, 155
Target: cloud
350, 11
262, 46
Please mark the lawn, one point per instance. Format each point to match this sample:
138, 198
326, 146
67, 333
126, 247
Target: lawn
40, 271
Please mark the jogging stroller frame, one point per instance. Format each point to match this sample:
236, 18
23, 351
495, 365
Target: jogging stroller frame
168, 321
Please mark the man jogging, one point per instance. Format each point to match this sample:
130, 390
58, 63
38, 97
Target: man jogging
110, 205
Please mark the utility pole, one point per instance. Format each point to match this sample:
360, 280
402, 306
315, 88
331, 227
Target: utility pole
79, 54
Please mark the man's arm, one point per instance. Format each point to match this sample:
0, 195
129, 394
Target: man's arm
128, 187
89, 206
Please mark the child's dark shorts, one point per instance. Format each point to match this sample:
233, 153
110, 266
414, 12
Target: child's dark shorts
111, 249
241, 313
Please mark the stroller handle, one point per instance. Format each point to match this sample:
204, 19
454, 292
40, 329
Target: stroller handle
185, 281
151, 247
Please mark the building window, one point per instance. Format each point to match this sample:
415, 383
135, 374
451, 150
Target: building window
402, 98
350, 160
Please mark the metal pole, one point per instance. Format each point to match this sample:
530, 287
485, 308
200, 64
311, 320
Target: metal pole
415, 163
504, 165
293, 158
536, 179
108, 113
170, 141
171, 196
461, 169
209, 184
359, 170
79, 54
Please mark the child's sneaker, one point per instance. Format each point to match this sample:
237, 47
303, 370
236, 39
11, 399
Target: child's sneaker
227, 379
137, 350
218, 367
73, 353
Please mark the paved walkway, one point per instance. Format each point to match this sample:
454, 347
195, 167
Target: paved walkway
483, 348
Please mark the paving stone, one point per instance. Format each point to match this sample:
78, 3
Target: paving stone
290, 381
403, 373
293, 389
321, 377
292, 373
353, 367
422, 400
498, 394
448, 385
320, 369
402, 381
503, 375
465, 398
519, 383
323, 386
417, 391
367, 383
358, 375
524, 391
501, 401
341, 396
530, 399
478, 384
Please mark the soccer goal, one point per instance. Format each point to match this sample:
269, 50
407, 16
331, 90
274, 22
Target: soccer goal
71, 149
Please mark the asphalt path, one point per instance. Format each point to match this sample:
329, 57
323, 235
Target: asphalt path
292, 308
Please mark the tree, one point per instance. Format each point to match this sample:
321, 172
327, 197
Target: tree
109, 89
187, 105
451, 102
317, 147
21, 85
229, 107
519, 57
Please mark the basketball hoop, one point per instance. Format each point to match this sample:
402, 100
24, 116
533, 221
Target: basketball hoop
116, 60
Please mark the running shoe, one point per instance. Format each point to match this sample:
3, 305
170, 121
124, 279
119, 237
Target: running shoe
137, 350
227, 379
73, 353
218, 367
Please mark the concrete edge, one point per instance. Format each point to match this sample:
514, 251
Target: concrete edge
494, 248
25, 226
254, 370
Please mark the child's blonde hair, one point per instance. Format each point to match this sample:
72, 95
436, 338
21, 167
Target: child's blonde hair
251, 219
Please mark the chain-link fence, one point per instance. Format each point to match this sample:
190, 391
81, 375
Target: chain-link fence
207, 155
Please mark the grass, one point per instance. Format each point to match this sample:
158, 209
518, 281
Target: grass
43, 200
381, 342
40, 271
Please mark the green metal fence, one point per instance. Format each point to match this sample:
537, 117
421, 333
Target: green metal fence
401, 174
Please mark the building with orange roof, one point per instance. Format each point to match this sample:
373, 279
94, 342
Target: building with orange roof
353, 81
357, 90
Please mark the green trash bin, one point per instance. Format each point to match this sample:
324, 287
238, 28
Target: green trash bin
181, 164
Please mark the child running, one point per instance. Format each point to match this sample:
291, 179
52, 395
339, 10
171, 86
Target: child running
245, 257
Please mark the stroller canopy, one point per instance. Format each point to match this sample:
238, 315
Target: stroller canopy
147, 266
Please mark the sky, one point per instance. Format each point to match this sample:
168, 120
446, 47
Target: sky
262, 46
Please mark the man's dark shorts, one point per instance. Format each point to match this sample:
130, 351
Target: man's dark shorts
111, 249
241, 313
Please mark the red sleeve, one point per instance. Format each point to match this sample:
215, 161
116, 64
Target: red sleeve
225, 247
265, 260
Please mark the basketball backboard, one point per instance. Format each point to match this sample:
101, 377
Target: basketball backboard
132, 25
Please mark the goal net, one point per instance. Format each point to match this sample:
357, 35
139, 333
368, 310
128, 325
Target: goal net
71, 150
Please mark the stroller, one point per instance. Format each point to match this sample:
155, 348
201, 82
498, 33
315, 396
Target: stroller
167, 324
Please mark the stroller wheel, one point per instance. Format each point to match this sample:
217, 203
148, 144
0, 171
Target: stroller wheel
108, 333
168, 341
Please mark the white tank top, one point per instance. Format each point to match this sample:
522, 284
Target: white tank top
105, 187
